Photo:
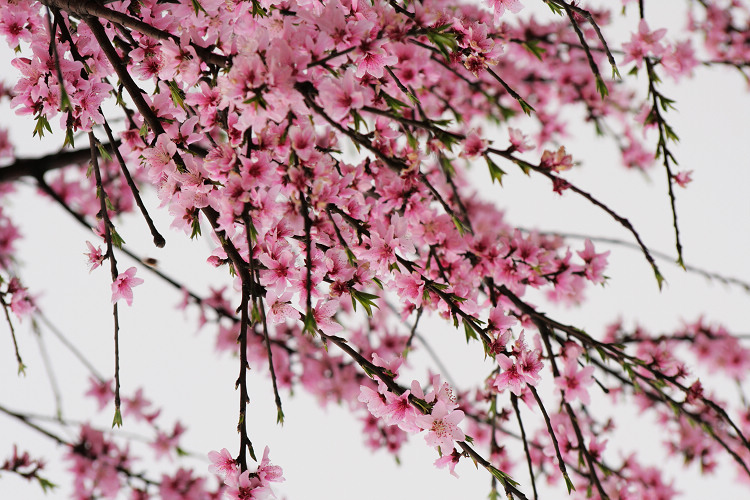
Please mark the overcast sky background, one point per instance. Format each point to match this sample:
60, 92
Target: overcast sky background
321, 450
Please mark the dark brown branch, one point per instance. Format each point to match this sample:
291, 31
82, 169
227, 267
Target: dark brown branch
37, 167
92, 9
102, 195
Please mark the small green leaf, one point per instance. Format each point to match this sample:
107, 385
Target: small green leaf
195, 224
116, 238
41, 125
533, 47
178, 96
469, 331
358, 120
198, 7
659, 277
103, 152
392, 102
525, 106
364, 298
445, 41
601, 87
568, 483
117, 421
69, 138
460, 226
502, 476
447, 166
681, 262
310, 325
279, 416
46, 484
554, 7
496, 173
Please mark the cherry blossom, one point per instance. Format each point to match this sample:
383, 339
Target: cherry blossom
442, 427
122, 287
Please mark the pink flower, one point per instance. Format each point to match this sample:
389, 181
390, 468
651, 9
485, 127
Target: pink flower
400, 412
374, 59
122, 286
684, 178
518, 140
101, 391
160, 156
267, 472
95, 256
410, 287
373, 400
450, 460
595, 262
474, 145
323, 314
557, 161
341, 96
499, 7
222, 463
511, 375
643, 44
442, 427
575, 382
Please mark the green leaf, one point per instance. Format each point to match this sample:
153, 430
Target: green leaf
601, 87
358, 120
525, 106
257, 100
447, 139
41, 125
502, 476
670, 133
469, 331
198, 7
46, 484
103, 151
681, 262
554, 7
568, 483
443, 40
178, 96
69, 138
196, 228
496, 173
392, 102
460, 226
117, 421
116, 238
64, 100
364, 298
659, 277
310, 326
447, 165
279, 416
533, 47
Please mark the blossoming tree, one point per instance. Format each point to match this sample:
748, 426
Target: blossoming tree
321, 148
